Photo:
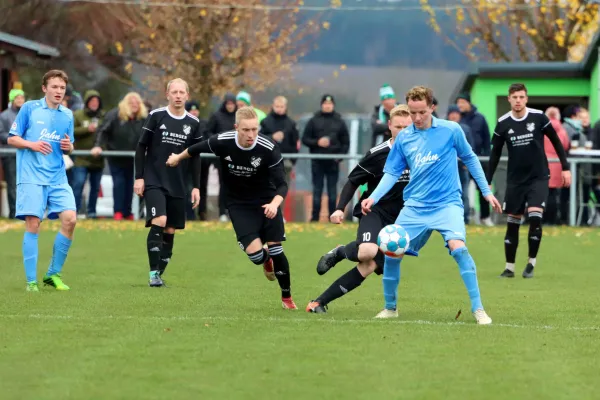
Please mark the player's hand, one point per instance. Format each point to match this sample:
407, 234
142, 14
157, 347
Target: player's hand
96, 151
494, 202
566, 178
270, 210
337, 217
65, 144
195, 197
278, 136
138, 187
323, 142
41, 147
366, 205
173, 160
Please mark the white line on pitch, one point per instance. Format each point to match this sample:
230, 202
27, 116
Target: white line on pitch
201, 318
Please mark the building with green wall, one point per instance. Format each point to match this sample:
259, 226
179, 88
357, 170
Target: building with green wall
548, 84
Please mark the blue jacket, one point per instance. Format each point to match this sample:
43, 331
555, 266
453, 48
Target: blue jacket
480, 132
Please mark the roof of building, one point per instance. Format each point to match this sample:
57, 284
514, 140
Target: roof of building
16, 43
539, 69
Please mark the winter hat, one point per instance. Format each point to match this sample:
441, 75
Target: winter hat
453, 109
244, 96
14, 93
464, 96
327, 97
229, 97
191, 105
386, 92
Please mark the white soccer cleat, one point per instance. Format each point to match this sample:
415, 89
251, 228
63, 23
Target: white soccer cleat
481, 317
487, 222
385, 313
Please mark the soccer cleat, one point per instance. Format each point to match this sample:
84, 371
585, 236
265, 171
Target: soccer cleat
32, 287
55, 282
507, 273
481, 317
316, 307
269, 270
288, 304
155, 280
328, 261
385, 313
528, 271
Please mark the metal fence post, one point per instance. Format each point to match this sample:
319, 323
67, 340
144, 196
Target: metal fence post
573, 194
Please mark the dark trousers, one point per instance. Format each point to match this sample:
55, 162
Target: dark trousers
9, 166
222, 207
484, 206
552, 206
205, 163
80, 176
122, 176
321, 170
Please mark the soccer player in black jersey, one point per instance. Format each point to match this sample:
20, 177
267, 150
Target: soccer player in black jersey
364, 249
255, 187
167, 130
523, 130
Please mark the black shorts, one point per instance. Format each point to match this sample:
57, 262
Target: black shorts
520, 197
250, 223
368, 230
159, 204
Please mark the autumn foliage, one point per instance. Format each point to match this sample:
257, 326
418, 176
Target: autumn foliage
517, 30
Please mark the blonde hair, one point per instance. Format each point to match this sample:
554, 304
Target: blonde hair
245, 113
125, 110
281, 99
420, 93
400, 110
178, 80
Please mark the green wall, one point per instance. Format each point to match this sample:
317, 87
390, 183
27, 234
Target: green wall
594, 87
485, 91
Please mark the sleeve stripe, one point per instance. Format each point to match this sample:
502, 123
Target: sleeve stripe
546, 125
366, 170
150, 130
281, 159
497, 134
208, 143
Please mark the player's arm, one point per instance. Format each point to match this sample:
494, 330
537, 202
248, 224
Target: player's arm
66, 144
394, 166
197, 137
18, 130
468, 157
277, 177
357, 177
496, 152
549, 131
148, 131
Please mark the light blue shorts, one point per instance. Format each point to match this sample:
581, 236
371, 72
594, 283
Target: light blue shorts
420, 222
34, 200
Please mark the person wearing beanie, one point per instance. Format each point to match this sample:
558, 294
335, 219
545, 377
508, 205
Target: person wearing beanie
16, 97
86, 122
243, 99
453, 114
193, 108
481, 145
381, 115
325, 133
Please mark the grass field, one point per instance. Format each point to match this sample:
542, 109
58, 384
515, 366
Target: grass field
218, 330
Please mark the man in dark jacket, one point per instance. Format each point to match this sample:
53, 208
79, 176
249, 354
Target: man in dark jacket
381, 115
282, 129
325, 133
222, 120
463, 172
481, 144
16, 97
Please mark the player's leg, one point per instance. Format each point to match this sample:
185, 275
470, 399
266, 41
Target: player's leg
318, 177
514, 204
156, 220
175, 220
30, 207
450, 223
61, 204
536, 201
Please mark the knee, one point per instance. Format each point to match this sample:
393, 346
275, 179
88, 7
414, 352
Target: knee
169, 230
367, 251
160, 221
455, 244
32, 224
68, 220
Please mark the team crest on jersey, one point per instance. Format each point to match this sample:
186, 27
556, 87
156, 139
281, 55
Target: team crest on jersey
187, 129
255, 161
530, 126
14, 126
165, 133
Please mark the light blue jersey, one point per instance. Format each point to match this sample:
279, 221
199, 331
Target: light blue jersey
431, 155
35, 122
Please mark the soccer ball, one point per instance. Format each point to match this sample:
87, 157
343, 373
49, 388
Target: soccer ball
393, 241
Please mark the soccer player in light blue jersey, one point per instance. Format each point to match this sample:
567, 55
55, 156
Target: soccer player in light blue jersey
42, 133
433, 198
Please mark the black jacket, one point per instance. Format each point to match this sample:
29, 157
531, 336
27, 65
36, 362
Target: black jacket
115, 134
274, 123
479, 130
326, 124
379, 130
221, 121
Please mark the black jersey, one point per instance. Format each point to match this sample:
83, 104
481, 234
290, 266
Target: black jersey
524, 138
164, 134
370, 171
252, 175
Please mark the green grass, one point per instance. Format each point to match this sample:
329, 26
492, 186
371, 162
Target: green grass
218, 331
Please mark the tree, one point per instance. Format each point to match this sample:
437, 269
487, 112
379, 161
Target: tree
518, 30
221, 48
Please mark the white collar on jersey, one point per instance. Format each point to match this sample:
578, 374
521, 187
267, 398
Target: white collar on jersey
244, 148
175, 116
522, 118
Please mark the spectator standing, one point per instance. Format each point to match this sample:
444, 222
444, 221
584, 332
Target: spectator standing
463, 173
325, 133
193, 108
555, 183
381, 115
243, 99
16, 97
121, 131
220, 121
87, 121
283, 130
481, 144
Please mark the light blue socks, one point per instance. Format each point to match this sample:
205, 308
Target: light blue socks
468, 273
391, 280
30, 256
59, 253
